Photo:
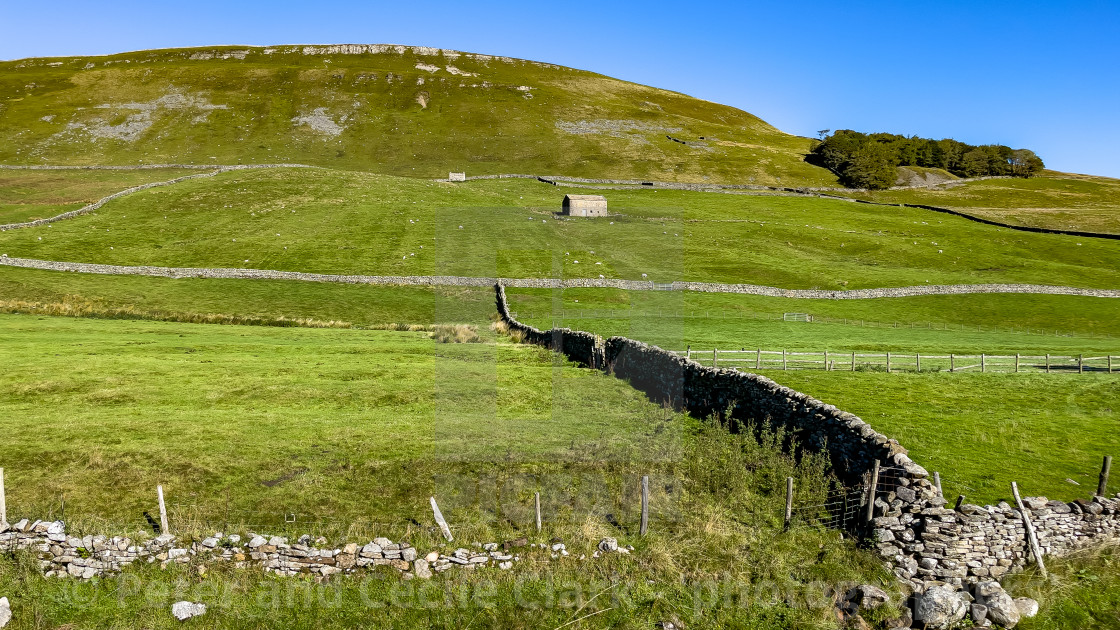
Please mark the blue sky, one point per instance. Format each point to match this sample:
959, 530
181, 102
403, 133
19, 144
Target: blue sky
1040, 75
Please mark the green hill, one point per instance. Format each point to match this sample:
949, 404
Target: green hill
390, 109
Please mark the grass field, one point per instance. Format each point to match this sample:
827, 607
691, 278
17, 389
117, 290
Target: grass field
337, 222
29, 195
983, 431
351, 431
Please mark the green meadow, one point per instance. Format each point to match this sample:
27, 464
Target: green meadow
335, 222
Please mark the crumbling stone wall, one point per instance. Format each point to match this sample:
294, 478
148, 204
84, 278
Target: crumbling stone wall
86, 557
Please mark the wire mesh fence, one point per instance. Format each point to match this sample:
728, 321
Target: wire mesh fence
759, 359
841, 509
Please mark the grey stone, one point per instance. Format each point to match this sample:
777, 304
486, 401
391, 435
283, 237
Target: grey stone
1027, 607
1001, 608
906, 494
867, 597
409, 554
257, 541
608, 545
185, 610
978, 612
421, 569
939, 607
372, 550
5, 612
210, 543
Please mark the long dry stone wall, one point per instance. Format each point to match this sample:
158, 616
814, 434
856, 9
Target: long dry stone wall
912, 531
548, 283
852, 444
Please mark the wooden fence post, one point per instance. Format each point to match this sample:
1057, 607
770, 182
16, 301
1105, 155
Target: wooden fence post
440, 520
715, 358
1016, 362
853, 362
888, 363
644, 527
789, 500
952, 363
960, 502
537, 505
1030, 530
1080, 364
1101, 486
1110, 364
688, 352
3, 503
826, 360
1047, 362
937, 482
983, 361
871, 492
162, 512
917, 362
783, 358
758, 359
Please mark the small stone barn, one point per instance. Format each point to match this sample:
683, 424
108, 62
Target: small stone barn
585, 206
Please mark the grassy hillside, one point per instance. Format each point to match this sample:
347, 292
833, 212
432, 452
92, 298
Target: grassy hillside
400, 110
344, 222
28, 195
1054, 200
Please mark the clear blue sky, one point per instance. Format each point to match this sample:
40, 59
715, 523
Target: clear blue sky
1040, 75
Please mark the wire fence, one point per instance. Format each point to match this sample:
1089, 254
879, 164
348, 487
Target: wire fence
759, 359
558, 317
845, 508
841, 509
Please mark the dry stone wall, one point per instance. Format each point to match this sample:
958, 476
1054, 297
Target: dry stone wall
852, 444
918, 538
546, 283
923, 542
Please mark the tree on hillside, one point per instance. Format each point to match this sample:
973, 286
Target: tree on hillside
870, 160
1024, 163
870, 167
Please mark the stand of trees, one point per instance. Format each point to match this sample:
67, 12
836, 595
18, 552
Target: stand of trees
869, 160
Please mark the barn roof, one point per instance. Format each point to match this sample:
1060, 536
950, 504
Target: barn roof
585, 197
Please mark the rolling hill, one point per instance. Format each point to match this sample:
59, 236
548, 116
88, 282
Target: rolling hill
398, 110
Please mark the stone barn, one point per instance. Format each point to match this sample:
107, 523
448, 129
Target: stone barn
457, 177
585, 206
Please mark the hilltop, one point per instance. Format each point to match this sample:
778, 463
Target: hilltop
412, 111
